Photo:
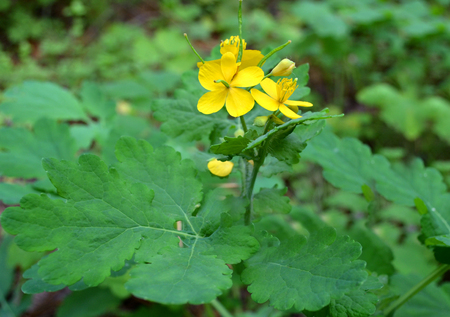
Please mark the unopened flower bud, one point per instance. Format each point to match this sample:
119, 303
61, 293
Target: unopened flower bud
276, 120
284, 68
239, 132
123, 107
219, 168
260, 121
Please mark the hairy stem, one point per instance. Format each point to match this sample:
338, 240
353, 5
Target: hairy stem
241, 48
221, 309
250, 182
416, 288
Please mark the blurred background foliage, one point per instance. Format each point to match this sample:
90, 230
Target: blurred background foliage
385, 64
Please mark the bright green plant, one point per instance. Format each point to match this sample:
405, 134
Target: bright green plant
140, 218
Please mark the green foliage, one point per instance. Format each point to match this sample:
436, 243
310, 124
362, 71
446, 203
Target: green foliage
304, 273
24, 150
33, 100
181, 118
432, 300
359, 302
90, 186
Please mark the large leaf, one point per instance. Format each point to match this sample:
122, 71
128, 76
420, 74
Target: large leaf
402, 112
347, 163
33, 100
107, 218
181, 118
24, 149
305, 274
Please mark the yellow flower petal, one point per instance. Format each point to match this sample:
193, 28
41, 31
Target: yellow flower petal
270, 87
212, 101
298, 103
228, 66
250, 58
239, 102
288, 112
208, 73
264, 100
220, 168
248, 77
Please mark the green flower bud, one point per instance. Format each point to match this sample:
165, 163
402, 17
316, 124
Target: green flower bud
284, 68
276, 120
239, 132
260, 121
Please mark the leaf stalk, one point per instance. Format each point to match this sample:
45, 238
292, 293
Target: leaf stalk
220, 308
416, 289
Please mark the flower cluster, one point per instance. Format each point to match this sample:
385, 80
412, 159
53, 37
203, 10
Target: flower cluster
231, 81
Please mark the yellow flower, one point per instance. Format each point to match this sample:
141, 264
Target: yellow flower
277, 96
249, 57
223, 81
220, 168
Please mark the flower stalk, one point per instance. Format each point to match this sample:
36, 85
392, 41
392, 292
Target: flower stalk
279, 48
193, 49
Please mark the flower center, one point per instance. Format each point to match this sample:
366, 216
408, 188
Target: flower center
286, 87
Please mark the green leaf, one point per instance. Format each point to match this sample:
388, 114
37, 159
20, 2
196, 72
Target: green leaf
408, 114
6, 271
404, 183
11, 194
308, 116
431, 301
375, 252
96, 302
234, 146
95, 101
33, 100
357, 303
181, 118
347, 163
109, 215
286, 148
305, 274
24, 149
271, 200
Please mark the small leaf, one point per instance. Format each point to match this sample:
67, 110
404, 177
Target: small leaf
305, 274
234, 146
368, 193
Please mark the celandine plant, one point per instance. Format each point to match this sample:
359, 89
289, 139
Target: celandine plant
150, 215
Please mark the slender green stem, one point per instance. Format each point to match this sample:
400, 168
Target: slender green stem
244, 125
273, 52
241, 47
192, 47
221, 309
417, 288
266, 76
